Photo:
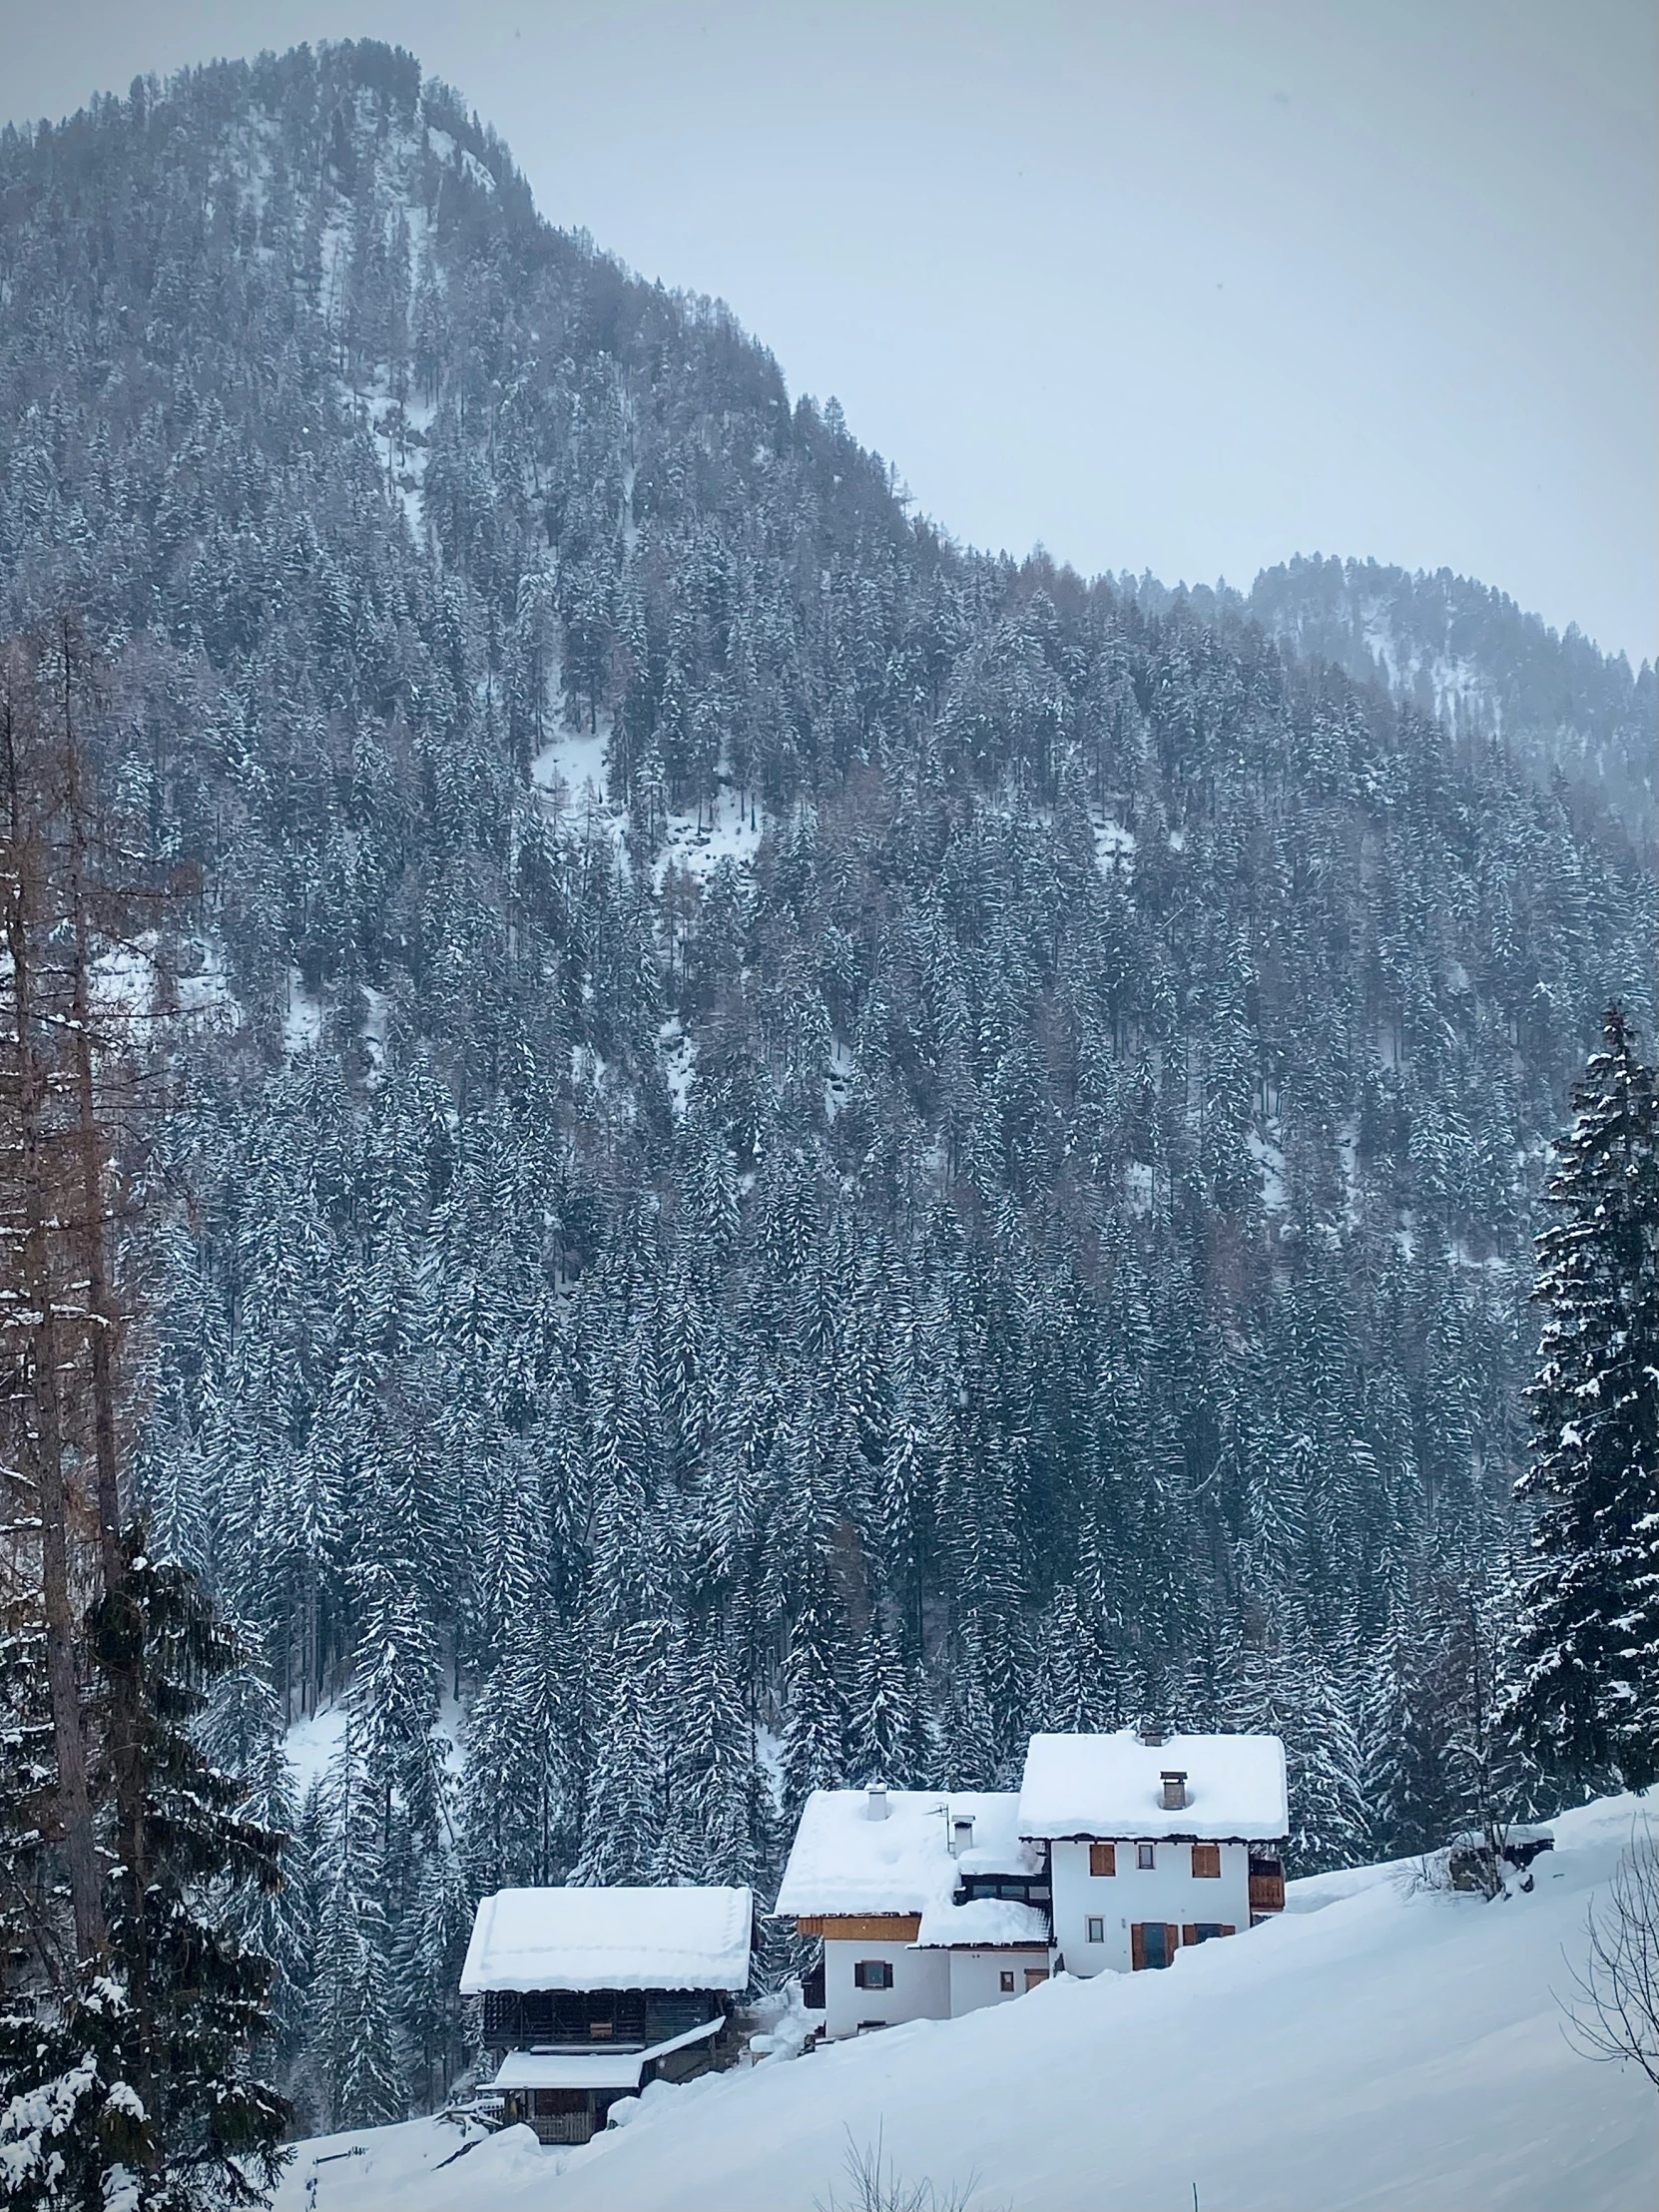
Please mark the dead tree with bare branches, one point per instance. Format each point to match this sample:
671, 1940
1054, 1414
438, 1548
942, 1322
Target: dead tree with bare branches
1613, 2011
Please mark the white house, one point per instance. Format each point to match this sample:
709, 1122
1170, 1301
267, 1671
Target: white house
587, 1995
1154, 1841
928, 1903
1116, 1851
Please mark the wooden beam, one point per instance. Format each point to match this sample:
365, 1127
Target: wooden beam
860, 1927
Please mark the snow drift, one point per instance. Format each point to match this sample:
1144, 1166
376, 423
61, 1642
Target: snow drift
1381, 2044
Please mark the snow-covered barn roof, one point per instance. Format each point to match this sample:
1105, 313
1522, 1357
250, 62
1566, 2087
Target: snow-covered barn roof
1111, 1786
610, 1939
542, 2067
843, 1861
570, 2069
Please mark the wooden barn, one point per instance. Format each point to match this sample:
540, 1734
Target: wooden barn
588, 1995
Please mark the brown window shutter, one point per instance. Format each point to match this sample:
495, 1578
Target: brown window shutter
1172, 1941
1189, 1932
1206, 1862
1103, 1859
1137, 1948
1228, 1931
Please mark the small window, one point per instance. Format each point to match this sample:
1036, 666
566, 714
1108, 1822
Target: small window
1006, 1978
1097, 1930
1206, 1862
1103, 1859
872, 1974
1146, 1857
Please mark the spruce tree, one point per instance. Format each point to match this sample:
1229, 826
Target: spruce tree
132, 2087
1587, 1644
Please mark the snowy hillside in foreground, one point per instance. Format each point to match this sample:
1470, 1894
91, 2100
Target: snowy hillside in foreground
1378, 2046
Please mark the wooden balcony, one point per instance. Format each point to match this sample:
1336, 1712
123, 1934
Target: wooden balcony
1267, 1892
564, 2128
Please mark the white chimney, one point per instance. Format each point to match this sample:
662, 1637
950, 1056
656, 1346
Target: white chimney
961, 1833
1174, 1780
877, 1808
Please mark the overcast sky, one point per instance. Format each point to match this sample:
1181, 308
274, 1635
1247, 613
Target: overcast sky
1180, 284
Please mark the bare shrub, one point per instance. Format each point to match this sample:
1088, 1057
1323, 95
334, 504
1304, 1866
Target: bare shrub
1614, 2013
876, 2186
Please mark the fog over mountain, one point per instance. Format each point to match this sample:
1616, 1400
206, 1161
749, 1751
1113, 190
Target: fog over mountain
806, 1150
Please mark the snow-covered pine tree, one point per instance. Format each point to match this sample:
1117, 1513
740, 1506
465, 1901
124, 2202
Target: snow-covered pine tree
242, 1734
814, 1714
356, 2044
1587, 1645
130, 2086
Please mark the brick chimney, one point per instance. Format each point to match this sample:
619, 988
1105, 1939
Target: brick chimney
1174, 1780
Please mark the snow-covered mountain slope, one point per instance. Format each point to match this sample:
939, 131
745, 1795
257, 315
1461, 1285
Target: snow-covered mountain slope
1381, 2046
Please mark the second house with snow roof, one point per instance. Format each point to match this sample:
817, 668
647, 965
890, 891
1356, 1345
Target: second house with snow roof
927, 1904
1115, 1853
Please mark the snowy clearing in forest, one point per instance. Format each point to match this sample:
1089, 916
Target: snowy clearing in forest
1381, 2045
572, 772
726, 828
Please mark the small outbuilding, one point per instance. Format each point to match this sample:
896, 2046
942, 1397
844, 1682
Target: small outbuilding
588, 1995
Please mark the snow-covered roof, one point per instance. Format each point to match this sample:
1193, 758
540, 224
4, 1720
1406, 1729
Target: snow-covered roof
1111, 1786
610, 1939
545, 2068
569, 2069
844, 1861
981, 1924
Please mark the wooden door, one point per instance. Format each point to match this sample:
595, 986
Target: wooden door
1160, 1951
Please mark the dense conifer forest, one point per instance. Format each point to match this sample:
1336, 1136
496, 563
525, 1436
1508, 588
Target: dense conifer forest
792, 1150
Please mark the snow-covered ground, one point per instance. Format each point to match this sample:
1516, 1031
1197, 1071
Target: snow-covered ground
727, 829
1381, 2046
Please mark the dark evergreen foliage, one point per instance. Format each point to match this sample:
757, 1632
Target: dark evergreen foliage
127, 2083
1588, 1638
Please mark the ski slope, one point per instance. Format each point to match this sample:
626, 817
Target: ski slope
1381, 2045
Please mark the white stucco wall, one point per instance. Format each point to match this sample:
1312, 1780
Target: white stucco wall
921, 1985
976, 1976
1166, 1893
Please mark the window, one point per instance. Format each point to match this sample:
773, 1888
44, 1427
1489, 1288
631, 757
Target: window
1034, 1975
1204, 1931
1206, 1862
1103, 1859
872, 1974
1006, 1978
1097, 1930
1146, 1857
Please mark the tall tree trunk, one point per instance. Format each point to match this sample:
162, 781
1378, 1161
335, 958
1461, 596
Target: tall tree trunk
74, 1806
103, 1319
121, 1639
